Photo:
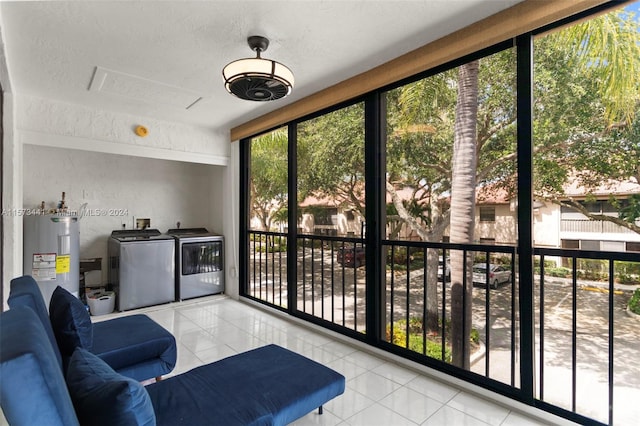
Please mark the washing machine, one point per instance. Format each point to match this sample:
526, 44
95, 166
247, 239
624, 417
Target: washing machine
141, 268
199, 262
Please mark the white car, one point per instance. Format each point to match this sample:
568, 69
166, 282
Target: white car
447, 269
497, 274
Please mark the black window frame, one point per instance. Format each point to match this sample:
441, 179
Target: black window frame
374, 139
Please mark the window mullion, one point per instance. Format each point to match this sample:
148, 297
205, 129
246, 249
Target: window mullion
524, 47
375, 111
292, 209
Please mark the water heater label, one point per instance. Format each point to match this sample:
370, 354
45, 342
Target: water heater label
44, 266
63, 264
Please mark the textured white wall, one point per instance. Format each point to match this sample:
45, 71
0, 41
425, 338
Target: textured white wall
164, 191
546, 226
11, 197
50, 122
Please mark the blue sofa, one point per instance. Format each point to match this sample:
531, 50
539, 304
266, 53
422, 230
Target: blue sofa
135, 346
266, 386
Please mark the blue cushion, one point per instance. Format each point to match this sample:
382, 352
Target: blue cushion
266, 386
70, 322
32, 388
103, 397
135, 346
25, 292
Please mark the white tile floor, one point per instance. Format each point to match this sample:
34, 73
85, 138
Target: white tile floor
378, 392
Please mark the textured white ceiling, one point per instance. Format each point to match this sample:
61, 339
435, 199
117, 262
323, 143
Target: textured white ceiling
53, 48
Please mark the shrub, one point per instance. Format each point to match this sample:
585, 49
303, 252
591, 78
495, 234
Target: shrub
273, 248
630, 268
558, 272
627, 272
269, 244
416, 340
634, 302
399, 261
590, 274
475, 336
480, 258
399, 256
502, 260
623, 278
414, 264
547, 263
593, 267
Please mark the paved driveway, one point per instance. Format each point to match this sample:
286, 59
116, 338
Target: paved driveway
554, 366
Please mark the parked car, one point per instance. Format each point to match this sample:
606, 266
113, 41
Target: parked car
447, 268
497, 274
351, 256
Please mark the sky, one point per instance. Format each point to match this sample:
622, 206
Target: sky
634, 7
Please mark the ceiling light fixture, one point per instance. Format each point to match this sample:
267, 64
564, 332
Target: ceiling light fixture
257, 79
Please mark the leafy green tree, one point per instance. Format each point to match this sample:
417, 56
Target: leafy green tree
331, 157
268, 178
586, 96
631, 212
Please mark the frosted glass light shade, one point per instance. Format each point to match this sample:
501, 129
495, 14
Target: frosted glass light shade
258, 79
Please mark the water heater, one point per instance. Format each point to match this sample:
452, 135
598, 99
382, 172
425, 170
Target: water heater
51, 252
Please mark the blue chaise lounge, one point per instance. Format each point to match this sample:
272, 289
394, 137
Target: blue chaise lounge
135, 345
265, 386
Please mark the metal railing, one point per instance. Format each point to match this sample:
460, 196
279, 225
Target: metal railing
267, 278
495, 324
586, 359
586, 344
331, 279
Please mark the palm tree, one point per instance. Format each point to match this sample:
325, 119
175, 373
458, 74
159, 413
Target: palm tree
608, 50
463, 201
599, 58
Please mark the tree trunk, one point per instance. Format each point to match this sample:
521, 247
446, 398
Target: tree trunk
263, 221
434, 234
433, 302
463, 186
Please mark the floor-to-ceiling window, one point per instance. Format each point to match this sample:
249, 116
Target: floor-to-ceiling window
586, 185
476, 257
425, 260
267, 219
331, 265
